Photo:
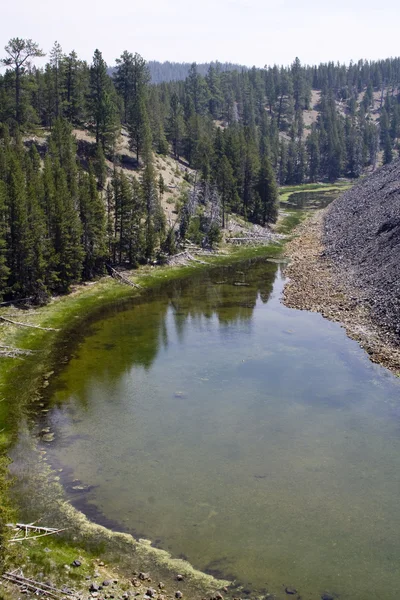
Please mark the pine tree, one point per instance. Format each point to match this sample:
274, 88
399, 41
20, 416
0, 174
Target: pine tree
175, 125
110, 227
124, 80
36, 257
92, 216
69, 253
101, 103
99, 166
313, 155
387, 150
139, 127
134, 228
19, 52
75, 80
226, 186
268, 193
4, 270
153, 220
56, 56
137, 117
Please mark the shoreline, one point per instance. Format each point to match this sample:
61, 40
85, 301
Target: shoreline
316, 284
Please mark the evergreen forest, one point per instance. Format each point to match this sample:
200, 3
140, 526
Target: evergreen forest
69, 211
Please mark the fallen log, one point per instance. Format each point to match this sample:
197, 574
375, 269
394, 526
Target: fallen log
37, 587
190, 257
12, 352
117, 275
31, 528
15, 301
249, 239
27, 324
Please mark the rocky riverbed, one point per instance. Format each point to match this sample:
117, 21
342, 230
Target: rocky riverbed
321, 284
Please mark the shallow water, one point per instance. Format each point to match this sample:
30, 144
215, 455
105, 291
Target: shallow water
311, 199
255, 440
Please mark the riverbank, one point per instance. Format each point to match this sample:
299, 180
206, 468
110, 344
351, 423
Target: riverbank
317, 284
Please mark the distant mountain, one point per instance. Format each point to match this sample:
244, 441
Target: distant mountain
174, 71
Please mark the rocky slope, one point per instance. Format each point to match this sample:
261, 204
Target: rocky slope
362, 238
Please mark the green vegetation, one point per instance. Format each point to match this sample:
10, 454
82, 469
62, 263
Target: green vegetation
290, 220
68, 207
286, 191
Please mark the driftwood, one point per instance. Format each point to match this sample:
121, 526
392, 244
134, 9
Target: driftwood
27, 324
37, 587
11, 352
190, 257
23, 531
186, 256
121, 278
15, 301
248, 239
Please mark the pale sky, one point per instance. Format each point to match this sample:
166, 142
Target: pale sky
249, 32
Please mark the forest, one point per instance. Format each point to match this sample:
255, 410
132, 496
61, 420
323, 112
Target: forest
68, 209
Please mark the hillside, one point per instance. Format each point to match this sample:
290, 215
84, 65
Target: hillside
175, 71
362, 237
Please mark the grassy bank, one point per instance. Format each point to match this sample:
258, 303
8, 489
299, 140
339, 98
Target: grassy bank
286, 191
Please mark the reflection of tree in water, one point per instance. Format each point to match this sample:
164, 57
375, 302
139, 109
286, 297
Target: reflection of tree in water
133, 337
230, 294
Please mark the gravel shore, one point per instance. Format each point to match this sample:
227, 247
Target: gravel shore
319, 284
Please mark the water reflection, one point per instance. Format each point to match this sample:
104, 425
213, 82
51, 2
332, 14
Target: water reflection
257, 440
311, 200
135, 337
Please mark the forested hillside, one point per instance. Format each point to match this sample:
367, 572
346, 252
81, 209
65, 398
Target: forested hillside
173, 71
71, 203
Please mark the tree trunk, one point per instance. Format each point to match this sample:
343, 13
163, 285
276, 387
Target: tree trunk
17, 94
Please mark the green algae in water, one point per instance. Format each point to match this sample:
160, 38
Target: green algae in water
257, 441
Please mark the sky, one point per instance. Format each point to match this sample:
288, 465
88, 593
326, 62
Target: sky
248, 32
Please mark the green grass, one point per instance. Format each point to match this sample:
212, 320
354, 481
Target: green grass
291, 219
51, 555
286, 191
